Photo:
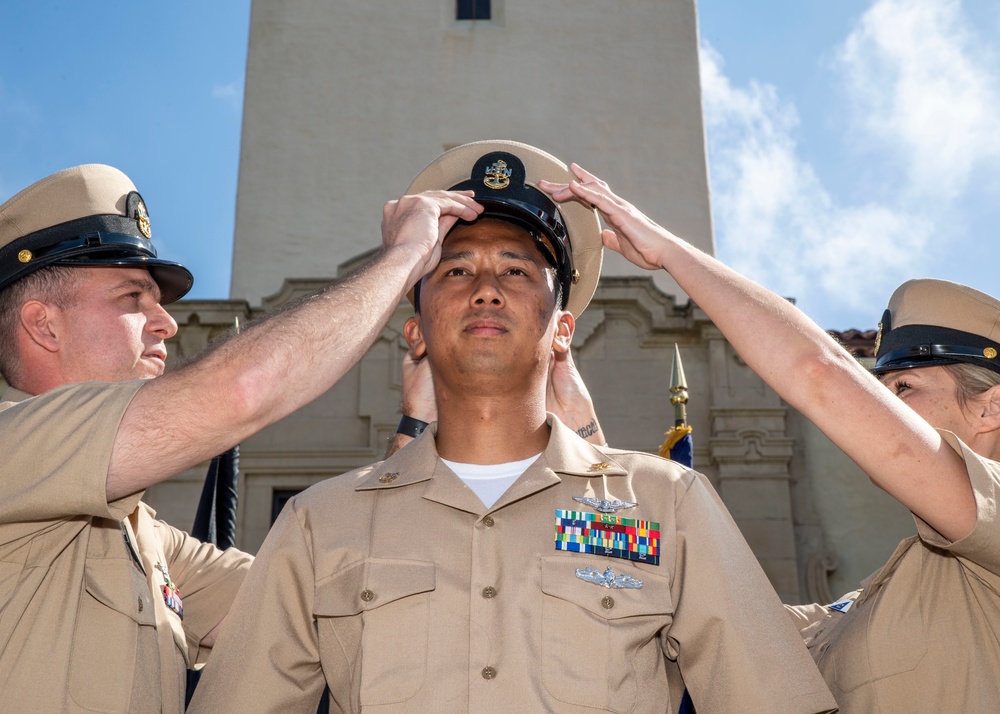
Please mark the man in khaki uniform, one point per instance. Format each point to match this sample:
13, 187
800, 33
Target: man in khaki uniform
500, 562
102, 607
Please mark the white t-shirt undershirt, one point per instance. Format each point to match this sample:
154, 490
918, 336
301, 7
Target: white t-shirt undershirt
490, 481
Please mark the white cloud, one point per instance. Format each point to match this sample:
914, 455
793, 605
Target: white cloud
926, 89
777, 223
231, 94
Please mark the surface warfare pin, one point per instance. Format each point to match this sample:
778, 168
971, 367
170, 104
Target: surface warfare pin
608, 579
602, 505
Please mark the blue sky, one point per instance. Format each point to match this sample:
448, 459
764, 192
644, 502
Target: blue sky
852, 144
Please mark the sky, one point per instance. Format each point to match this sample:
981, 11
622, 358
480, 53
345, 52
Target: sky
852, 144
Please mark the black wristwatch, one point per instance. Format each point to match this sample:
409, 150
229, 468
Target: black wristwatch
408, 426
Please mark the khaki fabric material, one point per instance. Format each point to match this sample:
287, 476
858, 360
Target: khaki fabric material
939, 302
375, 583
923, 632
82, 626
88, 190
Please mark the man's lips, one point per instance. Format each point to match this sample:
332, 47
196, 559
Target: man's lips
485, 328
157, 354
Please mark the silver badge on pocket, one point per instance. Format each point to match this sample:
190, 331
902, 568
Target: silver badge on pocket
608, 579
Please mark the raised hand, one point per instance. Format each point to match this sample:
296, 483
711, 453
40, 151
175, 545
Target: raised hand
567, 397
632, 233
420, 222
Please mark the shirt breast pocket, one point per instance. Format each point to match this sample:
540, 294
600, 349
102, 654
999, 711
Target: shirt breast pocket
599, 645
883, 638
115, 604
376, 610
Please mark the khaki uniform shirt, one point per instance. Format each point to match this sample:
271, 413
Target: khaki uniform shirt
923, 633
83, 621
396, 587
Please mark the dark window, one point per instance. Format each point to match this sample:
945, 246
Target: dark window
473, 9
279, 497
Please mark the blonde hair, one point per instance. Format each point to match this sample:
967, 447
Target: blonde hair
971, 380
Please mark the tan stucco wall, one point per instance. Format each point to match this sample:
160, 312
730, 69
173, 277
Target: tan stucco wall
346, 101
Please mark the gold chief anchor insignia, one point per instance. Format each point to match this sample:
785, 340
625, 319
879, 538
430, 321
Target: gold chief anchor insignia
498, 175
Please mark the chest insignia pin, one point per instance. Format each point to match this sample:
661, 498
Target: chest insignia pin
602, 505
608, 579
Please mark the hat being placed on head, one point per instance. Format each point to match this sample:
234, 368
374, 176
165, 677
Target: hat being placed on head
84, 216
932, 322
503, 176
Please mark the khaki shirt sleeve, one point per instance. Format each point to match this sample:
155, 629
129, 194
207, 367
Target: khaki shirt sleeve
56, 450
208, 580
267, 656
803, 616
980, 546
730, 629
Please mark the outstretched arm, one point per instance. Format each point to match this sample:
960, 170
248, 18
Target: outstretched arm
899, 451
282, 362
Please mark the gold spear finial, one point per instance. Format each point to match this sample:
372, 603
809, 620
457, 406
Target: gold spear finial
678, 388
679, 398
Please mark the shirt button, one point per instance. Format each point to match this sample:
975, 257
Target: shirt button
140, 603
488, 521
367, 595
489, 591
607, 602
489, 673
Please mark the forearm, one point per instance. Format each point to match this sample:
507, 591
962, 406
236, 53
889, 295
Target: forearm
247, 382
899, 451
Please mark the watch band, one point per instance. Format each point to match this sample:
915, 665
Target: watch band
408, 426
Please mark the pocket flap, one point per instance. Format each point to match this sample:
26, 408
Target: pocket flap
368, 584
559, 580
112, 583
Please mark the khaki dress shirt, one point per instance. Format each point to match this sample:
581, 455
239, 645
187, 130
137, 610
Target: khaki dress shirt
923, 632
398, 589
83, 621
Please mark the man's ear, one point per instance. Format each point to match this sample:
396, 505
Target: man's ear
990, 409
41, 323
565, 325
415, 338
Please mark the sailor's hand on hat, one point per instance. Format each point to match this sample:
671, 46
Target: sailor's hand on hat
631, 232
420, 222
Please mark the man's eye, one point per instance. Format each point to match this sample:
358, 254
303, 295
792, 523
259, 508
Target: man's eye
516, 271
457, 271
900, 387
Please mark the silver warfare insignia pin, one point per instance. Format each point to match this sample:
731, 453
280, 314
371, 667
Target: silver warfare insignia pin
608, 579
602, 505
